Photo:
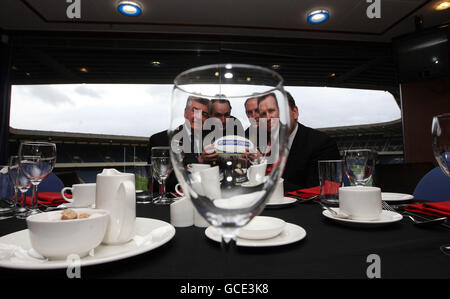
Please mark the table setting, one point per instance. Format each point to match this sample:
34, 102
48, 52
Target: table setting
218, 209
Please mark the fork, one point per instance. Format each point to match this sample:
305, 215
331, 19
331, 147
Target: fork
387, 207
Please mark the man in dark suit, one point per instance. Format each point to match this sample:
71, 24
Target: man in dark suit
195, 113
306, 146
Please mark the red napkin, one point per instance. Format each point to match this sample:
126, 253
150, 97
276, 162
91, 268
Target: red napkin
48, 198
305, 193
438, 209
329, 187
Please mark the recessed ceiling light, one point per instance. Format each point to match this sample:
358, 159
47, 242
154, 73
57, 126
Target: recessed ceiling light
275, 66
129, 8
443, 5
156, 63
318, 16
83, 70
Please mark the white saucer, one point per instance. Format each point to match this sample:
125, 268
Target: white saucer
389, 196
65, 205
290, 234
285, 201
149, 234
386, 217
250, 184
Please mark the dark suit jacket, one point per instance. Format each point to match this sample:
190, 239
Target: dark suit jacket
308, 147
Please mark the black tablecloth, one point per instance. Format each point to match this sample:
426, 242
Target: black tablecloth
330, 250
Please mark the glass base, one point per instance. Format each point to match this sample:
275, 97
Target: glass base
22, 213
143, 198
333, 202
162, 200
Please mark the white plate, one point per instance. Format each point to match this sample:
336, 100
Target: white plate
386, 217
290, 234
150, 234
285, 201
65, 205
389, 196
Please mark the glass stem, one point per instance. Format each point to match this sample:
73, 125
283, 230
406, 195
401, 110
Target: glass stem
34, 204
164, 189
24, 201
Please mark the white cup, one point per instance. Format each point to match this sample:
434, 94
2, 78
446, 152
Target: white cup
182, 212
360, 202
210, 182
83, 195
278, 194
256, 173
195, 167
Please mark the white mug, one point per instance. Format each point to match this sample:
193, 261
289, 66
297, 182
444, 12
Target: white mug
83, 195
116, 193
195, 167
360, 202
256, 173
278, 194
211, 182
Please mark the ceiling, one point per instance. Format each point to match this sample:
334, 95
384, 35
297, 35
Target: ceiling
349, 50
269, 18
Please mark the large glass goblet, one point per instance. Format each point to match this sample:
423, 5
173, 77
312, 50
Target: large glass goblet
162, 167
359, 165
196, 137
440, 133
37, 160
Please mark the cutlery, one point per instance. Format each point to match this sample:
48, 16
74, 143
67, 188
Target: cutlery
425, 223
303, 200
333, 212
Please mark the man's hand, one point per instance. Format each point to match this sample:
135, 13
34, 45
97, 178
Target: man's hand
208, 154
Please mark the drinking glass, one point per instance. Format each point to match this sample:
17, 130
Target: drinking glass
235, 204
330, 180
13, 172
440, 133
359, 165
143, 179
37, 160
162, 167
21, 183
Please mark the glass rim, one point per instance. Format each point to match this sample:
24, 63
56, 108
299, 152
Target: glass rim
38, 142
160, 147
319, 161
359, 150
441, 115
278, 86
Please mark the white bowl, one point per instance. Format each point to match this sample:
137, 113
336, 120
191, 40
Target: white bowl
262, 227
54, 238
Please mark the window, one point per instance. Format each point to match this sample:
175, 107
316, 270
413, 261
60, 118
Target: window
142, 110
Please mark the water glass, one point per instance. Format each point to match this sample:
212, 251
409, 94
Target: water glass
330, 180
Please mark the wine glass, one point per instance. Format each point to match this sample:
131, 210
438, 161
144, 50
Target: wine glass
221, 199
440, 133
37, 160
21, 183
13, 172
359, 164
162, 167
